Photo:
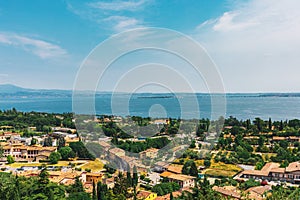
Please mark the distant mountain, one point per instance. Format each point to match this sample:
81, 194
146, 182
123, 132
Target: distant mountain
9, 90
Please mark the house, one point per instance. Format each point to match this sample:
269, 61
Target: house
272, 172
257, 193
145, 195
149, 153
112, 153
104, 145
29, 153
184, 181
228, 191
260, 174
110, 182
92, 177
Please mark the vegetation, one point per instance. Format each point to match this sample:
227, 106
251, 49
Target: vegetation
165, 188
137, 147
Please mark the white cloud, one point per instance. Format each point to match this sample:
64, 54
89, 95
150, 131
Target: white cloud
257, 43
113, 15
40, 48
120, 5
227, 22
122, 23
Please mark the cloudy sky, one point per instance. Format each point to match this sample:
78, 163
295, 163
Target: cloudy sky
255, 43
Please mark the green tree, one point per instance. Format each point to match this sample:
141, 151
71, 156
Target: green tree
66, 153
48, 142
61, 142
33, 141
81, 151
102, 191
54, 157
135, 177
1, 151
10, 159
270, 124
94, 194
207, 163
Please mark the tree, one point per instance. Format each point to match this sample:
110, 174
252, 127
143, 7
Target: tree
193, 170
193, 144
61, 142
81, 151
101, 191
190, 168
270, 124
66, 153
10, 159
128, 176
207, 163
171, 196
33, 141
135, 177
94, 197
281, 126
48, 142
79, 196
54, 157
1, 151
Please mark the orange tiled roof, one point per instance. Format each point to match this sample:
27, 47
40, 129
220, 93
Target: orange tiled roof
167, 196
294, 166
228, 191
143, 194
175, 168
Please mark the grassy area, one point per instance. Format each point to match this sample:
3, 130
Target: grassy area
95, 165
218, 173
222, 169
18, 165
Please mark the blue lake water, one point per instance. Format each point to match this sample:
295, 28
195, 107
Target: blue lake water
237, 105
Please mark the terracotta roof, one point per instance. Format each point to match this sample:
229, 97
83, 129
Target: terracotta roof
104, 144
94, 174
167, 196
143, 194
165, 174
180, 177
116, 151
294, 138
150, 150
278, 170
175, 168
270, 166
228, 191
278, 138
264, 171
260, 190
294, 166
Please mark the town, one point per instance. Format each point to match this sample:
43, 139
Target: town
96, 158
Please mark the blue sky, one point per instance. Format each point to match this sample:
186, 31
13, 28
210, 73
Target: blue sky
255, 44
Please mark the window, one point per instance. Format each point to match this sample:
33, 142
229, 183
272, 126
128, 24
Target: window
290, 176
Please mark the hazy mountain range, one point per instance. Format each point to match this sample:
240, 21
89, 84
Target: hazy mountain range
9, 90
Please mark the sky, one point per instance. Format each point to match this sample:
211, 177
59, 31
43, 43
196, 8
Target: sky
254, 43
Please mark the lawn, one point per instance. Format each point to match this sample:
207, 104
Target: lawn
95, 165
218, 173
222, 169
